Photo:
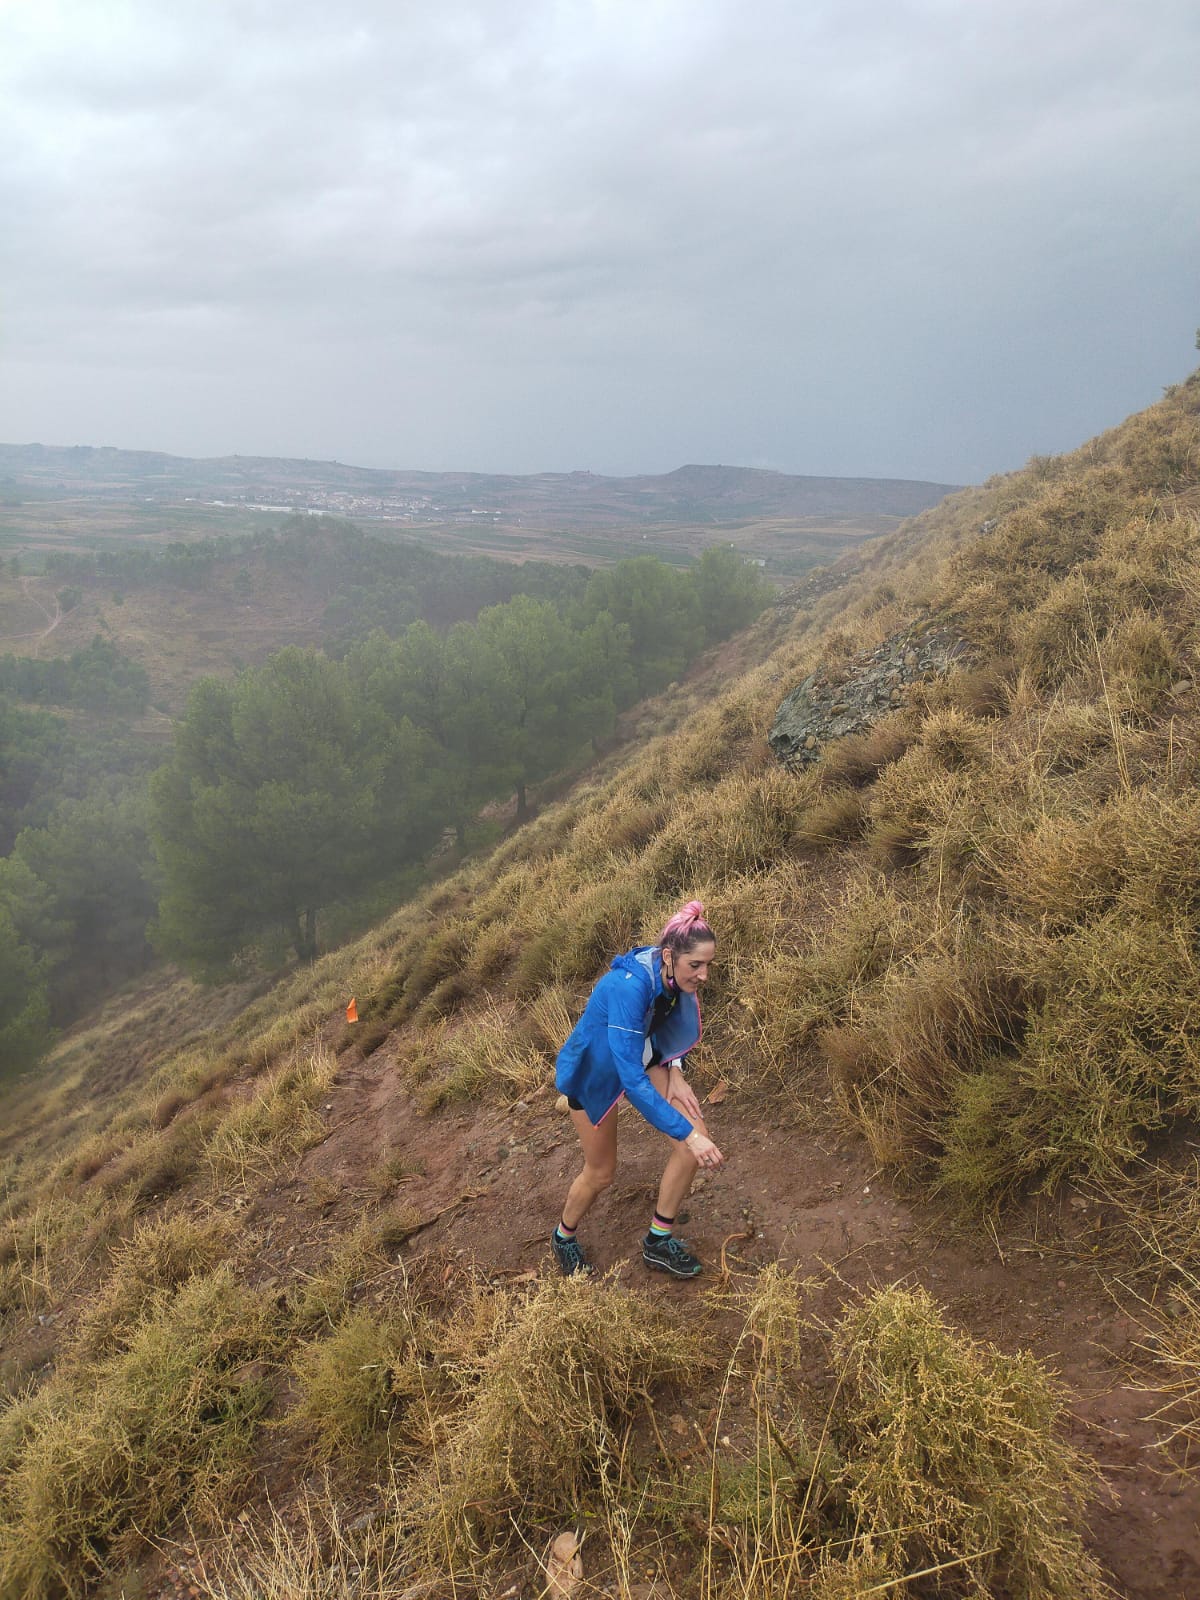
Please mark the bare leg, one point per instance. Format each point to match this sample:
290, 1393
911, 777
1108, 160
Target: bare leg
681, 1165
599, 1164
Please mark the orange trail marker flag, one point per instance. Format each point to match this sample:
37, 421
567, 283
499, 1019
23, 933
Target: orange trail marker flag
352, 1010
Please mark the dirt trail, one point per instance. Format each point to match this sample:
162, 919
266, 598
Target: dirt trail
498, 1176
53, 618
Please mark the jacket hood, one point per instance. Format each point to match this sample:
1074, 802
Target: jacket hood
644, 961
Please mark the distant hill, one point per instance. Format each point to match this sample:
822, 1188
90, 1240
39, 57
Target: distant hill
691, 494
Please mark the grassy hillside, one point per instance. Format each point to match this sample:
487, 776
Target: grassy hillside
277, 1314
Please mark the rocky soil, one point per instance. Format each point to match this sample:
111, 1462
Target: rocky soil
835, 701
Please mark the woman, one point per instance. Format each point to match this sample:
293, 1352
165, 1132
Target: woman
640, 1022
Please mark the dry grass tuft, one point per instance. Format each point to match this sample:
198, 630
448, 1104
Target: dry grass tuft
943, 1009
859, 758
580, 929
355, 1260
544, 1407
115, 1454
953, 1457
354, 1382
278, 1122
1172, 1340
314, 1552
161, 1255
487, 1053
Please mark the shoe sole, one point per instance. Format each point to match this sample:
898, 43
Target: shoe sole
665, 1266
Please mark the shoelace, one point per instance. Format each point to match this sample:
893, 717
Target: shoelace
573, 1251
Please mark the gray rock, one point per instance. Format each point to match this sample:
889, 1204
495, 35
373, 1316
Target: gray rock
830, 704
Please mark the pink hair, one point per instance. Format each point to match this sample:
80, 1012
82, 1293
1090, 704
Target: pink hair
686, 929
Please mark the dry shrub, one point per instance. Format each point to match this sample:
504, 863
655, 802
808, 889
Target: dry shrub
579, 927
1114, 1052
549, 1017
1161, 449
945, 1008
27, 1245
929, 1455
1057, 872
912, 801
1161, 845
714, 744
1139, 661
1059, 636
486, 1053
624, 823
276, 1124
354, 1382
1162, 549
954, 740
314, 1551
800, 978
983, 1158
398, 1223
393, 1168
503, 894
953, 1456
984, 609
545, 1400
161, 1255
162, 1427
981, 691
355, 1260
745, 824
836, 818
765, 1500
168, 1106
441, 954
158, 1164
1064, 737
491, 953
1055, 1039
860, 757
1173, 1342
89, 1158
445, 999
1056, 532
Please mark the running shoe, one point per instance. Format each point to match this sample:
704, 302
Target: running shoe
569, 1255
670, 1255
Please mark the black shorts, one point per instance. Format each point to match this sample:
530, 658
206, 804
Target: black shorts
575, 1105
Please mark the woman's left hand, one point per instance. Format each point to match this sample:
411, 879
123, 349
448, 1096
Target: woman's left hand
681, 1095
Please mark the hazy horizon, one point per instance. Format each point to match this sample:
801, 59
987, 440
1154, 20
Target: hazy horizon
458, 471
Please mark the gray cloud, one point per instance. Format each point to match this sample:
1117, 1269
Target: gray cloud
922, 238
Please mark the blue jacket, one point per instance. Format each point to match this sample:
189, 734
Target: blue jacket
606, 1053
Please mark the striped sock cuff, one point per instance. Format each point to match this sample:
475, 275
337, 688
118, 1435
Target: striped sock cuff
662, 1227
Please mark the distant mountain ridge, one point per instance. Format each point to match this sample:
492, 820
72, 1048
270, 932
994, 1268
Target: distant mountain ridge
691, 494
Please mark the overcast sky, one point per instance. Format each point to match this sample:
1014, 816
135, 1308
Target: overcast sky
912, 238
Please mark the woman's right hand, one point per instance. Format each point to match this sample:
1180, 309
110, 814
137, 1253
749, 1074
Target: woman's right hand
703, 1149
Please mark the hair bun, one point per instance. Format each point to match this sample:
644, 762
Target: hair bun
687, 927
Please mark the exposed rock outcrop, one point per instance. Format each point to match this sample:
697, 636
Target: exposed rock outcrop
834, 701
